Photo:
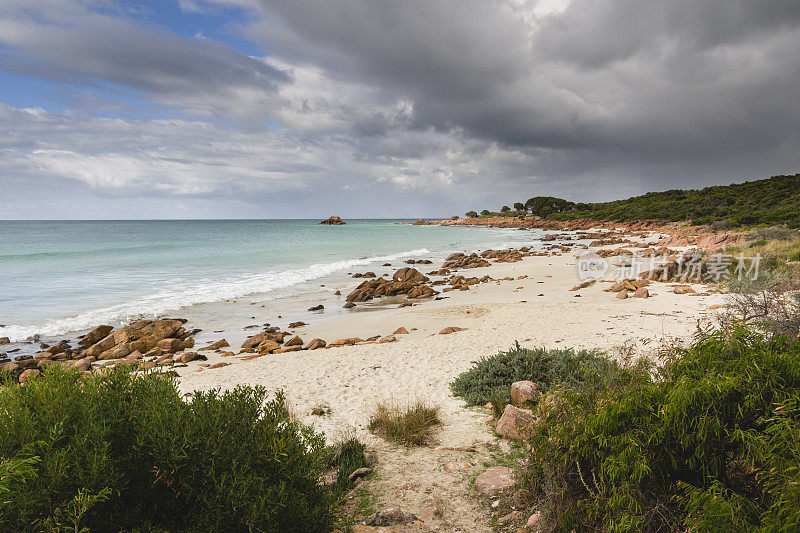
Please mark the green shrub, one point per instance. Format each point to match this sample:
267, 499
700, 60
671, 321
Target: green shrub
411, 425
345, 456
490, 377
127, 453
713, 444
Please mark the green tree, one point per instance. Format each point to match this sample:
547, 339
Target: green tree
471, 214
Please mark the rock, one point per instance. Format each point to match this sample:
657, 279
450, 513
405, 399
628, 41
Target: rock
298, 324
95, 335
583, 285
683, 289
622, 294
533, 520
337, 293
388, 338
430, 512
522, 391
315, 344
409, 275
83, 364
333, 221
185, 357
294, 341
5, 340
494, 480
169, 345
451, 329
641, 292
400, 331
319, 307
268, 346
514, 422
361, 472
318, 411
348, 305
141, 335
459, 261
295, 348
217, 345
345, 342
217, 365
252, 342
389, 517
618, 286
28, 374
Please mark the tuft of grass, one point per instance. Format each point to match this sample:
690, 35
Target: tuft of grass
346, 456
411, 425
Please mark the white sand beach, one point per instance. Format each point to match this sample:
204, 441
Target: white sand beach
538, 310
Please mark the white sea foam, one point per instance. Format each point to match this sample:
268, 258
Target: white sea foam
177, 295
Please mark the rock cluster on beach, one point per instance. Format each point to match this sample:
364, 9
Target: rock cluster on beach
149, 342
407, 281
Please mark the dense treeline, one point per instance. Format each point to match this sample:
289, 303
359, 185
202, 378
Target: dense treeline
769, 201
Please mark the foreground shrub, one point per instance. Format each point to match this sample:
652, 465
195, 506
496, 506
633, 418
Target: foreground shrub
125, 452
712, 445
490, 378
412, 425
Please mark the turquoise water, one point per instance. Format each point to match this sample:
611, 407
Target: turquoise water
61, 277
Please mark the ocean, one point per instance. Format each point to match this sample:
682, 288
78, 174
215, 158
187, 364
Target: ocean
60, 278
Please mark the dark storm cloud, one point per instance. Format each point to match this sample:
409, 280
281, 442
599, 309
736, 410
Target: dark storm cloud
622, 84
400, 108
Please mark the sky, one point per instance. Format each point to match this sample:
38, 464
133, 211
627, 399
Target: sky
113, 109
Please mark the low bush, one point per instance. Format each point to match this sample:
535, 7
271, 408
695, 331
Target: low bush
490, 378
345, 457
125, 452
710, 443
411, 425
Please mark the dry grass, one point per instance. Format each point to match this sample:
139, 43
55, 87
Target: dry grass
411, 425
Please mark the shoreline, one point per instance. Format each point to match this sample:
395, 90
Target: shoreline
537, 301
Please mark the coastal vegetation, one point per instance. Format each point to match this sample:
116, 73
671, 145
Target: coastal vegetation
705, 438
124, 451
410, 425
490, 377
772, 201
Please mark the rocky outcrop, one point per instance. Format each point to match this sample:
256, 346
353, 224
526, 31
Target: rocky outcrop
141, 336
333, 221
406, 281
459, 261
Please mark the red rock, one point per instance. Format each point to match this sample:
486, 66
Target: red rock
316, 344
494, 480
28, 374
622, 295
514, 422
345, 342
641, 292
522, 391
294, 341
451, 329
217, 365
400, 331
217, 345
388, 338
95, 335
